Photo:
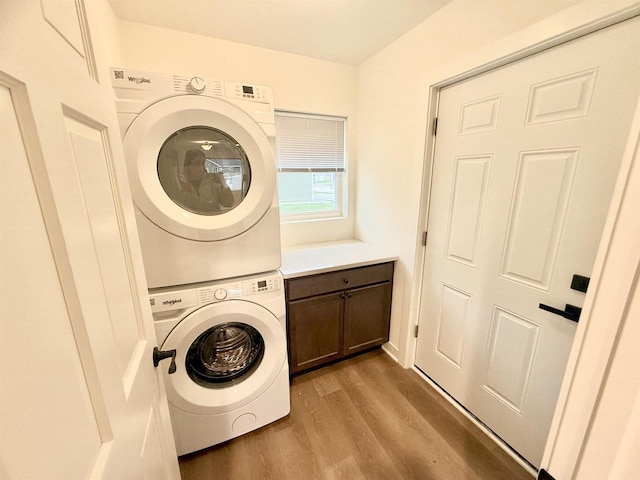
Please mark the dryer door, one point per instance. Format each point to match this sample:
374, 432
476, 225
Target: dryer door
199, 167
227, 355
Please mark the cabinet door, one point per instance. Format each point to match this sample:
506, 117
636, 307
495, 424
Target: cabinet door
366, 317
315, 331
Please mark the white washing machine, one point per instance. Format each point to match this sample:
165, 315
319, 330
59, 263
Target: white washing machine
202, 171
231, 370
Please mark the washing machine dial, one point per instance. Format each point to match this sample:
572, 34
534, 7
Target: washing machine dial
197, 84
220, 294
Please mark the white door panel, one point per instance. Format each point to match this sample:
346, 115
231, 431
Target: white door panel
80, 397
33, 314
526, 158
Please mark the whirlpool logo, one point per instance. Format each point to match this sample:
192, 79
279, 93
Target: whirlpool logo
173, 301
139, 80
119, 75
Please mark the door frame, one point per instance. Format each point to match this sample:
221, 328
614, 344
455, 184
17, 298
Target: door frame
584, 18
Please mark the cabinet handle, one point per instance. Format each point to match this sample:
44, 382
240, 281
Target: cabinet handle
342, 295
345, 280
348, 295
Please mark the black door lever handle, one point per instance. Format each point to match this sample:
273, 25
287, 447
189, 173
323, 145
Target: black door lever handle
570, 312
159, 355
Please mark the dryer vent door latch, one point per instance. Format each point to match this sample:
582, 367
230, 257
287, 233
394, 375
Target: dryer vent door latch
159, 355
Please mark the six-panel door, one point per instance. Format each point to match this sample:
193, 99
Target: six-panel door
526, 158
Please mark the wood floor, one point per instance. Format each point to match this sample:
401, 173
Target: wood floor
363, 418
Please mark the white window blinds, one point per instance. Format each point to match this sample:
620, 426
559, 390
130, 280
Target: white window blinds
309, 143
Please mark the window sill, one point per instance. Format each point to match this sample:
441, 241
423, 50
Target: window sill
308, 219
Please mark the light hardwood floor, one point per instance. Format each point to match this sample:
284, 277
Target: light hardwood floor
363, 418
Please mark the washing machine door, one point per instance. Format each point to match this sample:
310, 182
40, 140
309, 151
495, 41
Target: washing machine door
227, 355
199, 167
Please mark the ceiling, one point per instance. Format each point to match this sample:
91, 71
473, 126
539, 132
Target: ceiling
344, 31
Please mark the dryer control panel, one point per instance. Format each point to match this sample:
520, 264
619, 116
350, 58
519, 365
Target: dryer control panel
243, 91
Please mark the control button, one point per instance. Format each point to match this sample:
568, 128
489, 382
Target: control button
220, 294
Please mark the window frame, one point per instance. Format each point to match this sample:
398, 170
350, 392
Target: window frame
341, 175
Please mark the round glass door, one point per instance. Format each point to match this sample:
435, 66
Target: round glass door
199, 167
223, 354
234, 346
204, 170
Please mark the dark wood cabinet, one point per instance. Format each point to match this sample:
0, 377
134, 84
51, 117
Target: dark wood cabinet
315, 331
366, 317
336, 314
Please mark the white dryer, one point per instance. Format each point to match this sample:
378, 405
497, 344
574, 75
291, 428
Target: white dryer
231, 371
201, 166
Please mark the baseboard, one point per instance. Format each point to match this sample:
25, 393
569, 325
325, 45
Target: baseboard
391, 350
544, 475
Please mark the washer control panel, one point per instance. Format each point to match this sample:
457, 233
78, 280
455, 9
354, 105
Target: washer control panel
167, 300
259, 286
218, 293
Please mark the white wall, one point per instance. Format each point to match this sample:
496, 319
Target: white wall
392, 107
299, 84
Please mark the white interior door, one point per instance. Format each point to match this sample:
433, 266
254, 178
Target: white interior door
526, 158
79, 397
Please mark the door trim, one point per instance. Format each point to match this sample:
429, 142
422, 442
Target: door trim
584, 18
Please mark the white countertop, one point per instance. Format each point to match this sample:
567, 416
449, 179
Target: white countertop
326, 257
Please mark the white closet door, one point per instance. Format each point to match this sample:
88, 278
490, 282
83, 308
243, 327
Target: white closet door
526, 159
79, 396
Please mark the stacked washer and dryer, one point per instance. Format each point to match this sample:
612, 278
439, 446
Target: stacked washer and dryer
201, 166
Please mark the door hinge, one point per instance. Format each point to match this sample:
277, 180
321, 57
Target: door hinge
435, 126
424, 239
415, 333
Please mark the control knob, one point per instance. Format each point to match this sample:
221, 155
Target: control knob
197, 84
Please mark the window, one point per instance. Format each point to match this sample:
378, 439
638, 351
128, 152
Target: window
310, 156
